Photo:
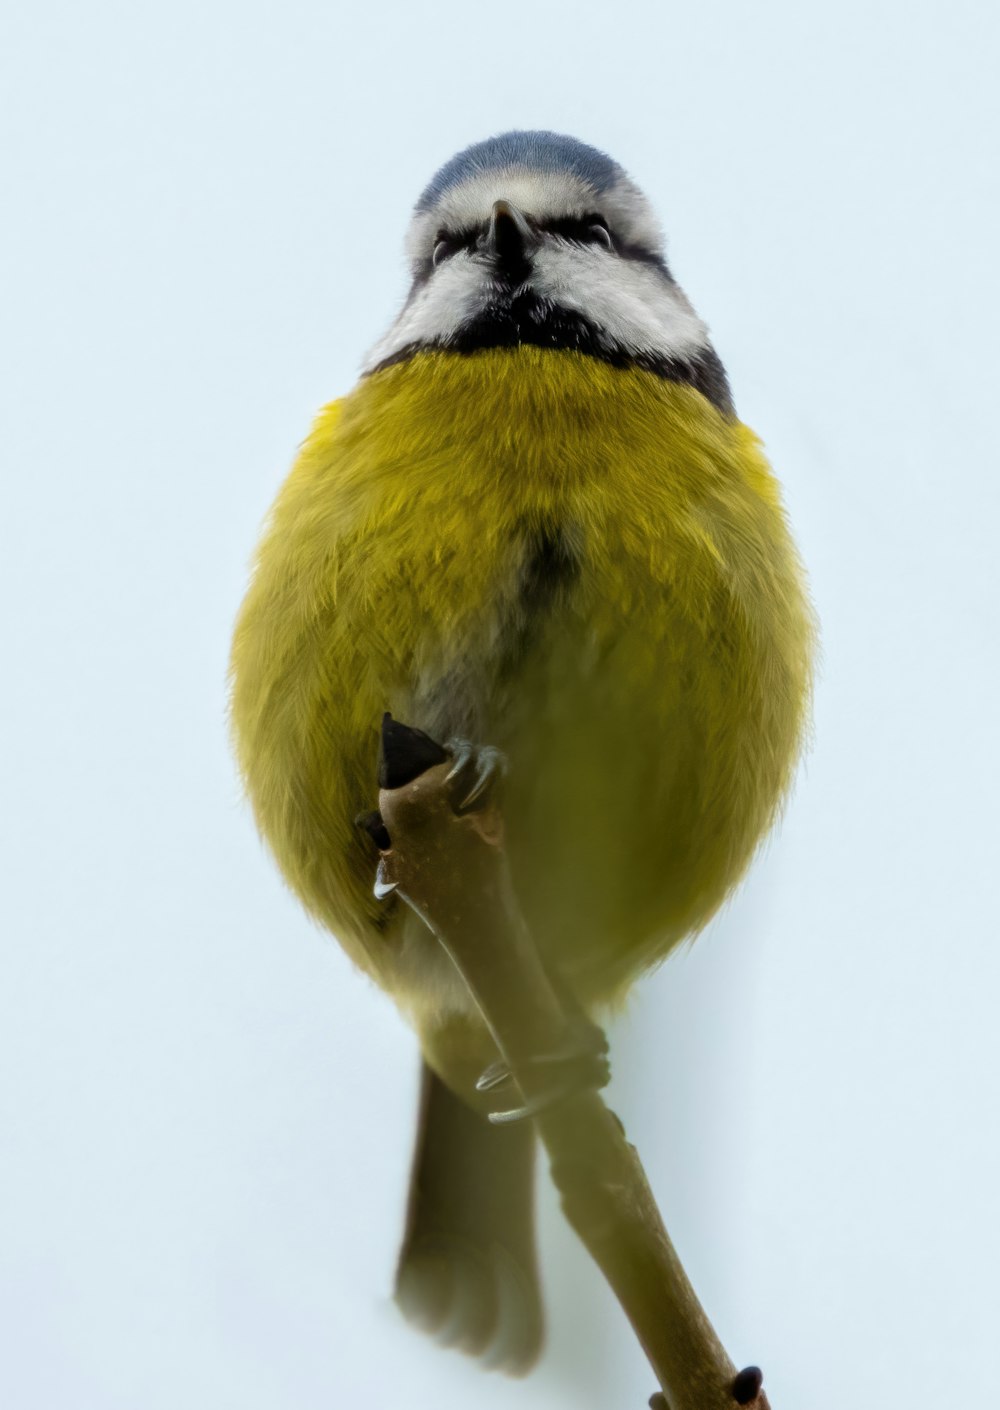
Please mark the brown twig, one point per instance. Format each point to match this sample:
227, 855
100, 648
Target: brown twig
452, 869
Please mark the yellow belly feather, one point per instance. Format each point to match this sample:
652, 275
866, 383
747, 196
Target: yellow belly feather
653, 706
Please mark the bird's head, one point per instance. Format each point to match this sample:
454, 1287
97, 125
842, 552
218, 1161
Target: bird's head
531, 237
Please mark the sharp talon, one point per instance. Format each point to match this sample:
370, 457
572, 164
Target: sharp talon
485, 765
461, 751
473, 795
580, 1063
383, 887
376, 829
495, 1076
746, 1386
534, 1106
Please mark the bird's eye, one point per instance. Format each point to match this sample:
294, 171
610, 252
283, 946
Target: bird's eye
443, 249
449, 242
590, 229
599, 234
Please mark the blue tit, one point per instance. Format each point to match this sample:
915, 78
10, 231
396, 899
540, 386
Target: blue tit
536, 522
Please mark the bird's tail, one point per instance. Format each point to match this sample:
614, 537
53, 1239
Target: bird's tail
468, 1271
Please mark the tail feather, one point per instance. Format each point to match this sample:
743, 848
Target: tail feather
468, 1271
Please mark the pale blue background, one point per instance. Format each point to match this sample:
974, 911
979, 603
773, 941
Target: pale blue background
205, 1114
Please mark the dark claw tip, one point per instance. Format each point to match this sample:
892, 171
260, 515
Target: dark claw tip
376, 829
405, 753
658, 1401
746, 1386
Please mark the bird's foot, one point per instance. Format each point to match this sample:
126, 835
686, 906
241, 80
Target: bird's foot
578, 1064
476, 771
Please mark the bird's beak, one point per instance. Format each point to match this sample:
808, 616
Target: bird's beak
510, 236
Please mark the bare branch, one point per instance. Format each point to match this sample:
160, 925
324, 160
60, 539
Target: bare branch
451, 868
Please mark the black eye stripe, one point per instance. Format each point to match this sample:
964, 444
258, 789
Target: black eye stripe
580, 228
455, 240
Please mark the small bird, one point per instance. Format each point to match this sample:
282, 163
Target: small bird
536, 524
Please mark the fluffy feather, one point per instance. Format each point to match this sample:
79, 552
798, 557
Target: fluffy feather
537, 171
537, 523
651, 694
631, 305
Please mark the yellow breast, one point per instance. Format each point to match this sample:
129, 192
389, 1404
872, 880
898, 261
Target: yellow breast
586, 565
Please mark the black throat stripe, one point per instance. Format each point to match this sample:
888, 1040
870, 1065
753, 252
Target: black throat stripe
524, 318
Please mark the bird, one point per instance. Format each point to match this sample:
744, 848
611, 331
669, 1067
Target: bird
536, 528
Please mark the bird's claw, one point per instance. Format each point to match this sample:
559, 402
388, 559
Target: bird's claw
578, 1064
475, 771
497, 1075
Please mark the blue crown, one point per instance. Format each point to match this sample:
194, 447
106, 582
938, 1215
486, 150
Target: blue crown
540, 151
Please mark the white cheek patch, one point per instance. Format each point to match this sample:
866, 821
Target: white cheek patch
453, 296
630, 302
